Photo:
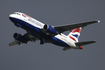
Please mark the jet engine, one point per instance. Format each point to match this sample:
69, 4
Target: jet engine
50, 29
20, 38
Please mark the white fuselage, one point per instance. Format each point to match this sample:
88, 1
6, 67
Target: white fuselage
27, 23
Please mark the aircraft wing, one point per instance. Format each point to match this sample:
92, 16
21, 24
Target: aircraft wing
14, 43
28, 36
61, 29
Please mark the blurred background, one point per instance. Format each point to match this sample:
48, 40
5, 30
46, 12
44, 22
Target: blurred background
48, 56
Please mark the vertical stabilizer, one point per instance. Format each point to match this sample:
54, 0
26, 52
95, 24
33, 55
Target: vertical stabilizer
74, 34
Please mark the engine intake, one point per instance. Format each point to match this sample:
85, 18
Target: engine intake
50, 29
20, 38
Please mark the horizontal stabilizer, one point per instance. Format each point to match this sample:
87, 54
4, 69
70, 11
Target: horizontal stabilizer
84, 43
66, 48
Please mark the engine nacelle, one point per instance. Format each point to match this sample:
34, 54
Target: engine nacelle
20, 38
50, 29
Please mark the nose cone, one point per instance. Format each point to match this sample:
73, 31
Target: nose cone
12, 18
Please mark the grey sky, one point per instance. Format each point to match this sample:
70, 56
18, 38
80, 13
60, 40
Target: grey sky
34, 56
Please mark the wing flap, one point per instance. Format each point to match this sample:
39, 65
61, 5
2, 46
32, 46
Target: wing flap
29, 37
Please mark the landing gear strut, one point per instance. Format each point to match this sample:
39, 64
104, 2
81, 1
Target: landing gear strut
41, 41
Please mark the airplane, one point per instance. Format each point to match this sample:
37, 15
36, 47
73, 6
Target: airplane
45, 33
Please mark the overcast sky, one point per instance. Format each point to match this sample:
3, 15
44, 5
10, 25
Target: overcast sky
34, 56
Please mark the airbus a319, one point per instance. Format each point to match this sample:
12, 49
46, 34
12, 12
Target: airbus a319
37, 30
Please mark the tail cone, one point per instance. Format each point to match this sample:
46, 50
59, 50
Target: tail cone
80, 47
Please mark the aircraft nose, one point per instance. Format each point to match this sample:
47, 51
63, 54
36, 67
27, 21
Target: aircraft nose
11, 16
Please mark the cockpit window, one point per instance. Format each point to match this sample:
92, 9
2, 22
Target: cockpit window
17, 13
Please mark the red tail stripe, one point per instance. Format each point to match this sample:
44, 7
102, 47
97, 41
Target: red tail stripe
76, 30
73, 39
